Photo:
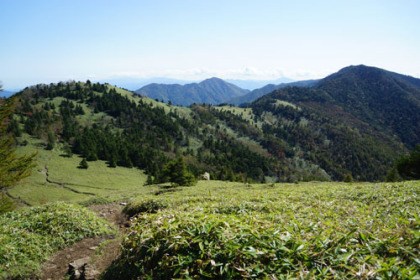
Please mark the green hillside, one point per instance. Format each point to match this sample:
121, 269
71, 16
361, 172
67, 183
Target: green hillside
56, 177
99, 122
387, 101
294, 134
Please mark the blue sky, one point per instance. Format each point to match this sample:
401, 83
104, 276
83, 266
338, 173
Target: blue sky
48, 41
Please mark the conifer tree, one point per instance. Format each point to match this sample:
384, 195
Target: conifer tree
409, 166
12, 167
83, 164
149, 180
178, 174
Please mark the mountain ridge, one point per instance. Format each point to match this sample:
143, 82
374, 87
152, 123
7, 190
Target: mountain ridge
257, 93
388, 101
211, 91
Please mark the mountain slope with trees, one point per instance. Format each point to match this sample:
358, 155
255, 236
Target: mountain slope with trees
388, 101
333, 130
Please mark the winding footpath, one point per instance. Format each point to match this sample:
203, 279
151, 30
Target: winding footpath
101, 251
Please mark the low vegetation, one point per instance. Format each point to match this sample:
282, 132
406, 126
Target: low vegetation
274, 231
30, 235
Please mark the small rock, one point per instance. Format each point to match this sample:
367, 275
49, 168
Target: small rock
110, 236
123, 204
77, 268
90, 272
75, 275
93, 248
79, 263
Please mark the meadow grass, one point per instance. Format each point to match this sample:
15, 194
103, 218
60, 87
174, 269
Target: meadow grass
274, 231
246, 113
69, 183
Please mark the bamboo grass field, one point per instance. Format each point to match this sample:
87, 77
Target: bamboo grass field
224, 230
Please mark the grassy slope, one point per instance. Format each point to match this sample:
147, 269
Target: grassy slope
72, 183
287, 231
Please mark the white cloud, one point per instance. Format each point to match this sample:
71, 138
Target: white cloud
245, 73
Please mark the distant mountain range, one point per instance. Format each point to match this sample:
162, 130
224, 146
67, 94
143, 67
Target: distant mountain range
210, 91
6, 93
136, 83
257, 93
255, 84
131, 83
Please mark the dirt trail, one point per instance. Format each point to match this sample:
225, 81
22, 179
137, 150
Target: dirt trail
61, 185
101, 255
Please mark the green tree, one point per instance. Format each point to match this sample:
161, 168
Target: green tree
13, 168
51, 141
83, 164
67, 150
348, 178
409, 166
177, 173
149, 180
392, 175
14, 128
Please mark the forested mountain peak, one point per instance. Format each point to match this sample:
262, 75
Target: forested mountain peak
388, 102
218, 85
361, 74
213, 80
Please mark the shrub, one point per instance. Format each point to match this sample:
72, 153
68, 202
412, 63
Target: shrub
83, 164
95, 201
348, 178
145, 205
6, 204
